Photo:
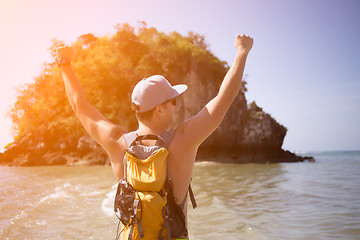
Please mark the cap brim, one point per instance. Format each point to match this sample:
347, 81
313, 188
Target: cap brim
180, 89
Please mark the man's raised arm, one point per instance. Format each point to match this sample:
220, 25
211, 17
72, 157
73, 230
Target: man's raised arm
98, 127
199, 127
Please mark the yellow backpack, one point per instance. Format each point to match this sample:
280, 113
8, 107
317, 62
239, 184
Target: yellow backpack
144, 201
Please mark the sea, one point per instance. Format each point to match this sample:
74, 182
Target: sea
305, 200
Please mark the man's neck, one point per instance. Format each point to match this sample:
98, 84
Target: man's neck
150, 129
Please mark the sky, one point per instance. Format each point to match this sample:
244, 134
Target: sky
304, 68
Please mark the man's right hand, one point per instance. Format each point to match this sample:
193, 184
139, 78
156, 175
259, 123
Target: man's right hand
65, 52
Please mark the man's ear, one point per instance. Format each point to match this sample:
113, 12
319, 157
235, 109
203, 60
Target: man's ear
158, 109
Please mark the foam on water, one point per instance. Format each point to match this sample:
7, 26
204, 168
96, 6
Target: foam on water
54, 197
107, 205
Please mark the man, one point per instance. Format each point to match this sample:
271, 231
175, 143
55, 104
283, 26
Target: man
154, 101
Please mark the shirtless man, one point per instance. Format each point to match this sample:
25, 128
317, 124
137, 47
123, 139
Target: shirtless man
188, 135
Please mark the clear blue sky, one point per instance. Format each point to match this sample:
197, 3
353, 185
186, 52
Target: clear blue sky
304, 68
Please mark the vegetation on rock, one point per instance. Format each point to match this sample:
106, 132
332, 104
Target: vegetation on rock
108, 67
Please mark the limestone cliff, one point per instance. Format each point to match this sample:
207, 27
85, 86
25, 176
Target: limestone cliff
247, 134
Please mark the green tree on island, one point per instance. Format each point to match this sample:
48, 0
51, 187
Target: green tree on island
48, 132
42, 111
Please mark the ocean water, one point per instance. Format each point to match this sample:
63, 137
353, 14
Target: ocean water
318, 200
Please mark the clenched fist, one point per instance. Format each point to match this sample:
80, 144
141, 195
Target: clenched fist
65, 52
244, 42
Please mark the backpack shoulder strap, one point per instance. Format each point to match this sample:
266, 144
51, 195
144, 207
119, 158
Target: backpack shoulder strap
192, 198
168, 137
130, 138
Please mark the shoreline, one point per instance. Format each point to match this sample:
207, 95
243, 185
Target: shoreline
99, 158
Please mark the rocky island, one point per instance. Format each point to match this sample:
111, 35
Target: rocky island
48, 133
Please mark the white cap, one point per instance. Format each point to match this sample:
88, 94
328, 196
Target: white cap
153, 91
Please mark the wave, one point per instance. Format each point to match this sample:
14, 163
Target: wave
57, 195
107, 205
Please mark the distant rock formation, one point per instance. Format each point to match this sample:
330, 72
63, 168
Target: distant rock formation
246, 135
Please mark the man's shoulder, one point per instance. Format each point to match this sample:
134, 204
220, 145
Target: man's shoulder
183, 138
116, 145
